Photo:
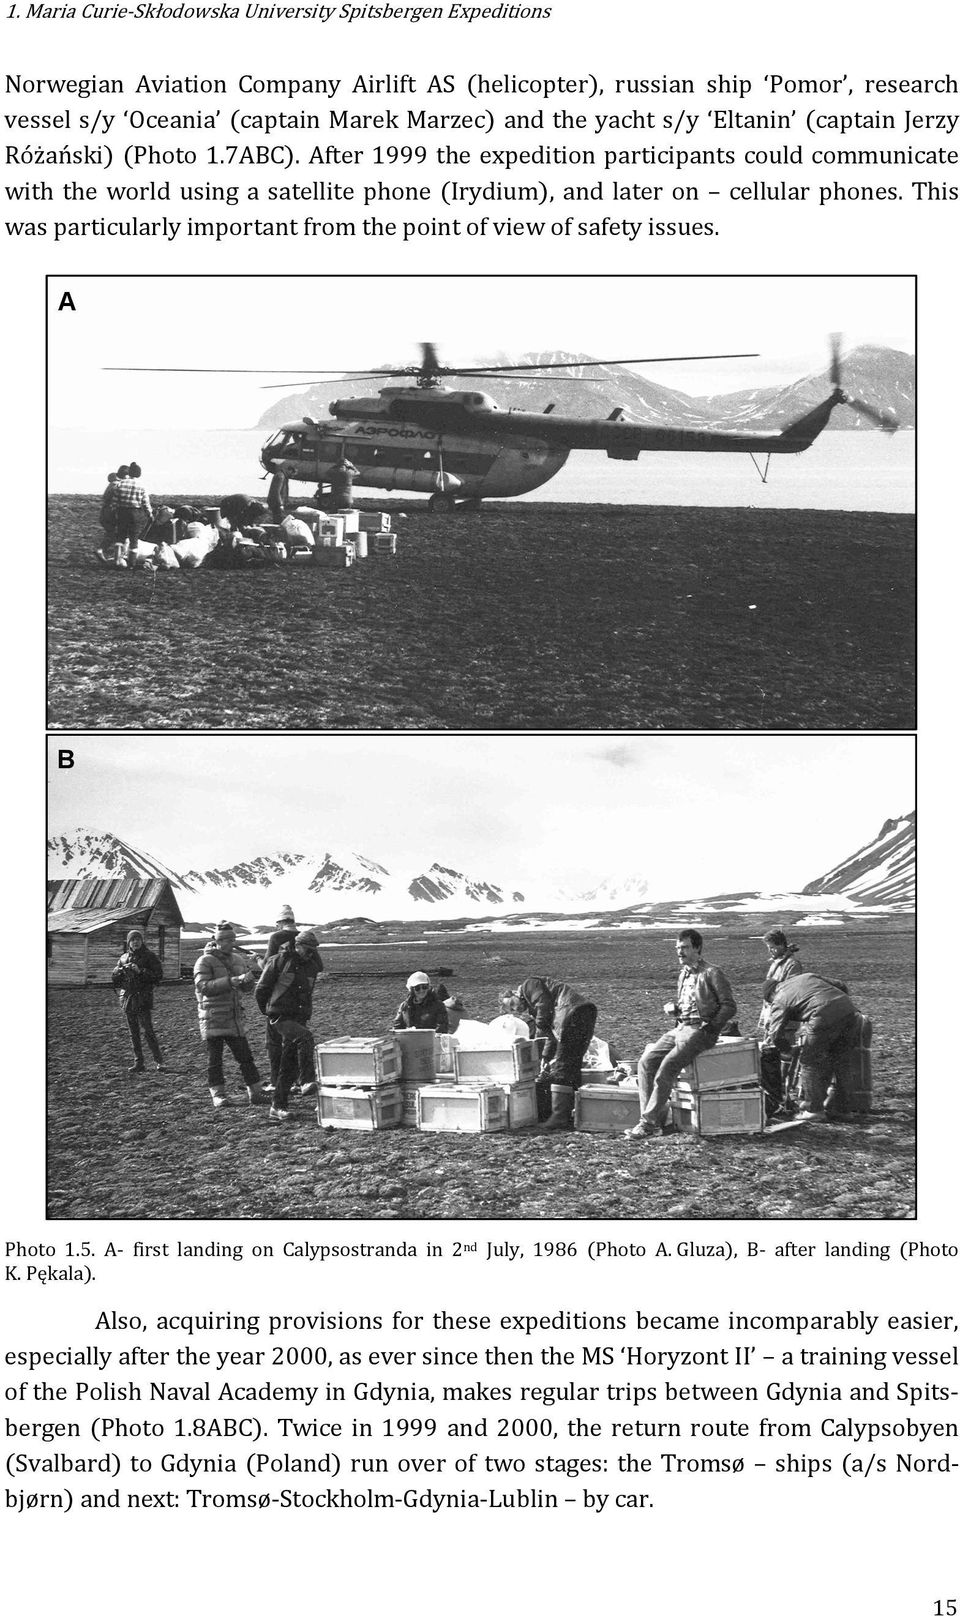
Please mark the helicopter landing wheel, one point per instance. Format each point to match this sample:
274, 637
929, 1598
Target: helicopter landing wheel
441, 502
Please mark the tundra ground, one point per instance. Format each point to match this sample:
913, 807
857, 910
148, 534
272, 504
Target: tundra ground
151, 1146
517, 617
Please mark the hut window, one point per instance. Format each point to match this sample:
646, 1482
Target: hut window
161, 941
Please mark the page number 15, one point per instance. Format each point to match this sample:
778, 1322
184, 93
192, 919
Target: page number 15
945, 1607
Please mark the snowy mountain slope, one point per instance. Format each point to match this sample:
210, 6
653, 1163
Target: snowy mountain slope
882, 872
84, 854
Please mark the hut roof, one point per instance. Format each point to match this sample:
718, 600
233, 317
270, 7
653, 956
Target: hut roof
82, 906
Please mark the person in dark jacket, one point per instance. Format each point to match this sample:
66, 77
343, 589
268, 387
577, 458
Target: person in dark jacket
284, 995
285, 931
829, 1027
784, 961
565, 1019
136, 973
423, 1006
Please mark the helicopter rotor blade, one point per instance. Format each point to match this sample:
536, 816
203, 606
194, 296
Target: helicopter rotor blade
835, 341
587, 364
886, 420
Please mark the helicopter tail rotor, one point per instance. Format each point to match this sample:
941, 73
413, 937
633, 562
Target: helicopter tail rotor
886, 420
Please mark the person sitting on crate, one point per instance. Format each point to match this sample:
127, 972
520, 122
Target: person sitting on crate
220, 976
829, 1030
284, 995
702, 1009
136, 973
784, 961
422, 1007
565, 1019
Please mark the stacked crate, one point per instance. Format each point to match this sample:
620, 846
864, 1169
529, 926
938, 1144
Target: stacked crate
606, 1108
418, 1068
720, 1092
491, 1089
358, 1083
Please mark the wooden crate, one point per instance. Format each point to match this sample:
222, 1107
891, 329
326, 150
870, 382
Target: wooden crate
371, 1108
603, 1108
444, 1044
518, 1063
731, 1062
408, 1096
343, 555
720, 1111
357, 1062
382, 543
417, 1054
445, 1109
373, 521
521, 1105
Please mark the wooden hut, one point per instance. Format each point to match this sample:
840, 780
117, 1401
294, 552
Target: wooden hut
88, 921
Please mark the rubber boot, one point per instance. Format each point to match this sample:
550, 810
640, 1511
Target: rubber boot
561, 1109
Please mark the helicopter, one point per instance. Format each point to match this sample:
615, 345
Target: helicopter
460, 447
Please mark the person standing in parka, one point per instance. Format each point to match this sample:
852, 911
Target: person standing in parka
565, 1018
221, 975
285, 996
136, 973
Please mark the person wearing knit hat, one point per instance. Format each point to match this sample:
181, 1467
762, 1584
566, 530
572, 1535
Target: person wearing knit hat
285, 996
221, 976
135, 975
285, 929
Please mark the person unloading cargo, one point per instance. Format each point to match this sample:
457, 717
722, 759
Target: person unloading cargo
565, 1019
702, 1009
784, 962
829, 1030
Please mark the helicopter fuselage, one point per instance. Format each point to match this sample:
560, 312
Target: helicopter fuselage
395, 454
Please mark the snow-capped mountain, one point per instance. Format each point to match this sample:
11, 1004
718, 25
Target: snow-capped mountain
883, 377
882, 872
93, 855
337, 885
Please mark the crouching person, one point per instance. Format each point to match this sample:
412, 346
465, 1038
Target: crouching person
565, 1019
703, 1007
285, 996
829, 1029
136, 973
221, 975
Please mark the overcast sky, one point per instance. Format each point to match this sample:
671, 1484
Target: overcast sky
692, 814
361, 321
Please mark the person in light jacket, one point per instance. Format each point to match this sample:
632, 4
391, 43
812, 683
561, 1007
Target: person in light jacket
221, 975
703, 1007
